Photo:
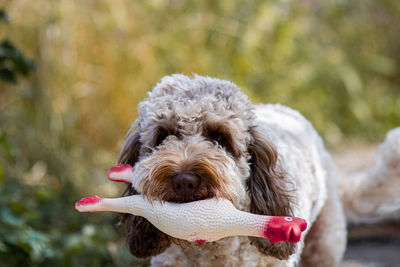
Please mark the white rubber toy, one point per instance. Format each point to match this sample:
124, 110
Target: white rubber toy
200, 221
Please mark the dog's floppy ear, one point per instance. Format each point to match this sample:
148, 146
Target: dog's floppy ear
130, 151
143, 239
267, 191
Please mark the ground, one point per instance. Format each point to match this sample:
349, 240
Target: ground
373, 246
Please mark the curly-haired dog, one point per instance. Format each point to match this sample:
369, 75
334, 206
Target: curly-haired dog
200, 137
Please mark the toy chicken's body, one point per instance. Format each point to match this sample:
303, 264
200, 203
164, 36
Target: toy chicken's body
200, 221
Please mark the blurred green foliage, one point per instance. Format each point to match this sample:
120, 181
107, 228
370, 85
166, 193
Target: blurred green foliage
38, 223
60, 128
12, 62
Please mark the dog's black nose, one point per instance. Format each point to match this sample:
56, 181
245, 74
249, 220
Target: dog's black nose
185, 184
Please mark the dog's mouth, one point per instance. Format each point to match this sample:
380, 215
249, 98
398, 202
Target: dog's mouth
203, 193
179, 199
166, 191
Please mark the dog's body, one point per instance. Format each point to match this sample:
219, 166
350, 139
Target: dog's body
309, 170
201, 137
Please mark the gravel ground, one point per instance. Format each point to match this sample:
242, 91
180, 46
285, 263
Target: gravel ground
373, 246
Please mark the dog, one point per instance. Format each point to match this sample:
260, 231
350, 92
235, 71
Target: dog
200, 137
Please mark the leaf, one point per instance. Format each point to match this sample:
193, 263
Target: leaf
7, 76
8, 218
39, 244
5, 144
1, 173
3, 247
13, 62
3, 16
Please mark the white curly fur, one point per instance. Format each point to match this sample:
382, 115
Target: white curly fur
187, 103
373, 194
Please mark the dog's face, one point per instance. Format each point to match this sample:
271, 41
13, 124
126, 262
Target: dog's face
196, 139
193, 142
188, 168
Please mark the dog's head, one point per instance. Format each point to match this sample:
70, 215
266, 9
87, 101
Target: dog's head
196, 138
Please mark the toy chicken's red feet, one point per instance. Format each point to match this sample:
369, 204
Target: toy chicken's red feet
287, 229
121, 173
88, 204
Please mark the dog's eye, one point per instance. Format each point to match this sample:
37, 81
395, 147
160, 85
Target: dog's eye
160, 138
217, 137
162, 134
224, 140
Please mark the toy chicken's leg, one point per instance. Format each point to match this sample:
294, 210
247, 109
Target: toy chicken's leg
122, 205
121, 173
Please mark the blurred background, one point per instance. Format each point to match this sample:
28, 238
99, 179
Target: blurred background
73, 72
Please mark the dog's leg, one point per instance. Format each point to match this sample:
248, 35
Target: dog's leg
326, 241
